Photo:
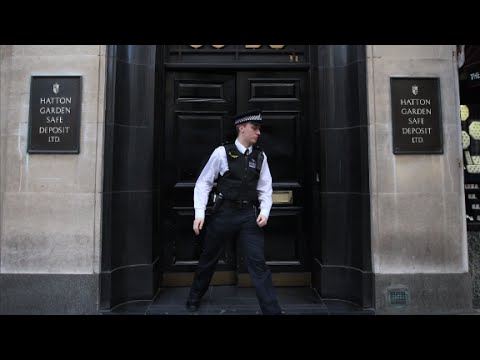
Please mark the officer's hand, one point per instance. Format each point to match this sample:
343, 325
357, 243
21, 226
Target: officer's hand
197, 225
262, 220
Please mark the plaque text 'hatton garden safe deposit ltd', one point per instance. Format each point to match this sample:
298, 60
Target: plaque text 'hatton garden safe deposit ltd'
55, 103
416, 116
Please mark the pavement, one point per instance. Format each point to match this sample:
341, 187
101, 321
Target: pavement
232, 300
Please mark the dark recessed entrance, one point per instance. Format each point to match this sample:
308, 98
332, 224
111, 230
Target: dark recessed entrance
168, 107
199, 106
205, 86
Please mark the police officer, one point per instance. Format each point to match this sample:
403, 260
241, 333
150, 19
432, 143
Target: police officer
242, 208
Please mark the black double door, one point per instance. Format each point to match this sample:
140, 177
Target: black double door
199, 106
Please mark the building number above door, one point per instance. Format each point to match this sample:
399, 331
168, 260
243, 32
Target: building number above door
246, 46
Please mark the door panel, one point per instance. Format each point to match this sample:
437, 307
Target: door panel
199, 107
280, 96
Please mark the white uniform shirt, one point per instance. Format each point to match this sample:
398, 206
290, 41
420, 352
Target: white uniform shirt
218, 164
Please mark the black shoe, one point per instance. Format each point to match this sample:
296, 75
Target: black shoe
192, 305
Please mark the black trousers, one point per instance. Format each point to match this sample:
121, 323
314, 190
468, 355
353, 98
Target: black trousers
227, 223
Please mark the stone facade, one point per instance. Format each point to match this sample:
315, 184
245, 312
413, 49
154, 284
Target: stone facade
419, 242
51, 208
51, 205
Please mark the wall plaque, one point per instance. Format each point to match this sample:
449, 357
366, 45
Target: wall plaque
55, 110
416, 116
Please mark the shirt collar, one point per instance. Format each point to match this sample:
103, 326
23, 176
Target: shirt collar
242, 148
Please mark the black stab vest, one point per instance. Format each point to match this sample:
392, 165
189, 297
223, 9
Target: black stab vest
240, 181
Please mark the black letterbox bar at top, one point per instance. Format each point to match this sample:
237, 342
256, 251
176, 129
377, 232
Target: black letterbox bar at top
416, 115
55, 110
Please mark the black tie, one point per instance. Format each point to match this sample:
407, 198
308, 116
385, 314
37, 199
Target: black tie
246, 152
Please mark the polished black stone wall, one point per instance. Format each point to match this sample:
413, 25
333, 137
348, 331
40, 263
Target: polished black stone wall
341, 248
128, 254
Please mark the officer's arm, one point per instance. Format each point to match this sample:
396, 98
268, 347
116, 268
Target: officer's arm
205, 182
264, 188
